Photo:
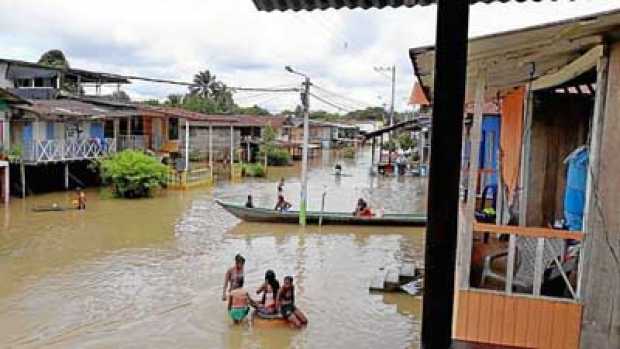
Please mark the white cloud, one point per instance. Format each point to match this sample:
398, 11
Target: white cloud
244, 47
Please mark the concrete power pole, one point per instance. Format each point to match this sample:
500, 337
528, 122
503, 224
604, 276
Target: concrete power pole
305, 100
393, 94
304, 156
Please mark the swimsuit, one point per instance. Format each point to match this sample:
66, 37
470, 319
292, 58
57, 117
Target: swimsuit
239, 314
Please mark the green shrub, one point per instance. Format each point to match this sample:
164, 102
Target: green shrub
405, 142
278, 157
253, 170
133, 174
348, 152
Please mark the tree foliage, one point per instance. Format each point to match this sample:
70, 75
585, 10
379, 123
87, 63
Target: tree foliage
54, 58
133, 174
275, 156
405, 142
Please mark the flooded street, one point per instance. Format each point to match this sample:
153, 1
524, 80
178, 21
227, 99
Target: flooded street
149, 273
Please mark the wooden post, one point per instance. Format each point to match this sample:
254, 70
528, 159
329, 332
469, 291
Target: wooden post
232, 151
249, 158
465, 241
66, 175
186, 145
7, 182
129, 141
526, 154
211, 150
593, 167
22, 172
443, 192
372, 154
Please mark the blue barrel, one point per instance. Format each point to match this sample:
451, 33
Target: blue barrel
575, 194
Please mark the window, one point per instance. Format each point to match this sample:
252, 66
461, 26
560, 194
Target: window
173, 129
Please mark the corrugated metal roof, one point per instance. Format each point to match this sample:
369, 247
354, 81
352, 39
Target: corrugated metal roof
507, 56
11, 98
215, 120
70, 109
310, 5
85, 75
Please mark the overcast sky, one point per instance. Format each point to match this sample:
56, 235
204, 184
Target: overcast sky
244, 47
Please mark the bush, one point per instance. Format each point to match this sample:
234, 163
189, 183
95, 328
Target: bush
133, 174
348, 152
253, 170
278, 157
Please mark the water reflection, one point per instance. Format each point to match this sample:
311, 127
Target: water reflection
148, 273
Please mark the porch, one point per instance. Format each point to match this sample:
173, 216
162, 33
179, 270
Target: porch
59, 150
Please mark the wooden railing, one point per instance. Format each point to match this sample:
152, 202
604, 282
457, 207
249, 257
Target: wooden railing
132, 142
535, 248
54, 150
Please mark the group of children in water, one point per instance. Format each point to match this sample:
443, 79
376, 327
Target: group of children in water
276, 299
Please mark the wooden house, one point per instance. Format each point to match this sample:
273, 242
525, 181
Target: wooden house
544, 272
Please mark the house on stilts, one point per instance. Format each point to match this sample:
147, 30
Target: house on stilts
540, 269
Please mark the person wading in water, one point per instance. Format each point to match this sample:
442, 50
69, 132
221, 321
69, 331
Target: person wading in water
234, 277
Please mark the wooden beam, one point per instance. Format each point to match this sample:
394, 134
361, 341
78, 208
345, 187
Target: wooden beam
186, 145
524, 169
534, 232
443, 192
577, 67
211, 151
466, 236
593, 167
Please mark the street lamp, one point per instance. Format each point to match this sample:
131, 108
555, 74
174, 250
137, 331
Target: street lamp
305, 100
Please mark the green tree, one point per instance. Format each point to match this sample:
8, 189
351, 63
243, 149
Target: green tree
121, 95
54, 58
405, 142
203, 84
254, 110
174, 100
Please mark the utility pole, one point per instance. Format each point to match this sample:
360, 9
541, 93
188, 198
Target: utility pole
392, 70
305, 100
393, 94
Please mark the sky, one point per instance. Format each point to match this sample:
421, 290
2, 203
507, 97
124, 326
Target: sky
246, 48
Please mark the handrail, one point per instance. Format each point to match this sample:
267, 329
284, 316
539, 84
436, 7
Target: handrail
534, 232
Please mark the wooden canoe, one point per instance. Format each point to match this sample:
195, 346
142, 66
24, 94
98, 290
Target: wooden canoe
312, 217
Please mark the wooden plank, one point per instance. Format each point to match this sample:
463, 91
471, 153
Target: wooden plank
510, 320
572, 334
498, 317
560, 320
538, 266
577, 67
534, 232
486, 303
463, 310
526, 326
544, 311
473, 317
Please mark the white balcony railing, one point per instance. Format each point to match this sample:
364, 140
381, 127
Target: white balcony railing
61, 150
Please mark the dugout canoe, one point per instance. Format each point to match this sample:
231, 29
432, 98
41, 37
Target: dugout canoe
312, 217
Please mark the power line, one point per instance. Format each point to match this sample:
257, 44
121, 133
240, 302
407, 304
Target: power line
351, 100
332, 104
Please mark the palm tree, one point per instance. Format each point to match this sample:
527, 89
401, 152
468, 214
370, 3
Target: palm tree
203, 84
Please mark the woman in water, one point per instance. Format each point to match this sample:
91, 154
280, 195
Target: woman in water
269, 289
234, 277
286, 304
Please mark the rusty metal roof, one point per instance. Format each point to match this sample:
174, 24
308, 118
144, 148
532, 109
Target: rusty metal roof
310, 5
214, 119
30, 68
70, 109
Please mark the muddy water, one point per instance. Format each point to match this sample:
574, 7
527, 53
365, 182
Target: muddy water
148, 273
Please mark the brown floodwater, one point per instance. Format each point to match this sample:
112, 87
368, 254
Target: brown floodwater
149, 273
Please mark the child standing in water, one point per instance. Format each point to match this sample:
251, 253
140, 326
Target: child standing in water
286, 304
239, 303
80, 200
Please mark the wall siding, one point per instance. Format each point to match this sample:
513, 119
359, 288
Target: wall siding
519, 321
